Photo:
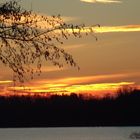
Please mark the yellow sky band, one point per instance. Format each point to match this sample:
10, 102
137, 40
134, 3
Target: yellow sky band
109, 29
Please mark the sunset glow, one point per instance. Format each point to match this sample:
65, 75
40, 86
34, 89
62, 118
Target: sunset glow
95, 90
88, 86
106, 65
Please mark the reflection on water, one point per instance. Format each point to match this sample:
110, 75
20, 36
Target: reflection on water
73, 133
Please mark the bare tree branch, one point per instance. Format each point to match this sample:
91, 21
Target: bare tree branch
28, 38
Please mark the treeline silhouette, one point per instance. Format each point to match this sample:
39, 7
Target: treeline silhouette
73, 110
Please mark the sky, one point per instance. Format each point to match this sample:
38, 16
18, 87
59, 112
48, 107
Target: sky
105, 65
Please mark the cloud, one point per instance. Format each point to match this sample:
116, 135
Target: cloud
66, 84
88, 79
81, 79
101, 1
52, 68
69, 19
102, 29
6, 82
98, 85
97, 90
108, 29
76, 46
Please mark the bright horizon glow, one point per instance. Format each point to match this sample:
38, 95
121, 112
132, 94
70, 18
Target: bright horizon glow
94, 90
86, 85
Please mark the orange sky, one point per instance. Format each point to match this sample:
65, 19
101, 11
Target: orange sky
105, 65
87, 86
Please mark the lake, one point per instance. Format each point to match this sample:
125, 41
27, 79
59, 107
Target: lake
72, 133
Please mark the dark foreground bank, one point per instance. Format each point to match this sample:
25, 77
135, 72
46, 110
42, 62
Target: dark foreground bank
73, 110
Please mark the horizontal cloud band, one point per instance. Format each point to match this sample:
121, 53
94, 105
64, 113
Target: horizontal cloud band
101, 1
127, 28
109, 29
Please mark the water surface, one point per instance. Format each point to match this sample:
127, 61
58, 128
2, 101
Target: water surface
73, 133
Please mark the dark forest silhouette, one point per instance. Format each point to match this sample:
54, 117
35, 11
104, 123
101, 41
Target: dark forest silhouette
73, 110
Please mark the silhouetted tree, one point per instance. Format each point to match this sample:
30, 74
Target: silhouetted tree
70, 110
27, 38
